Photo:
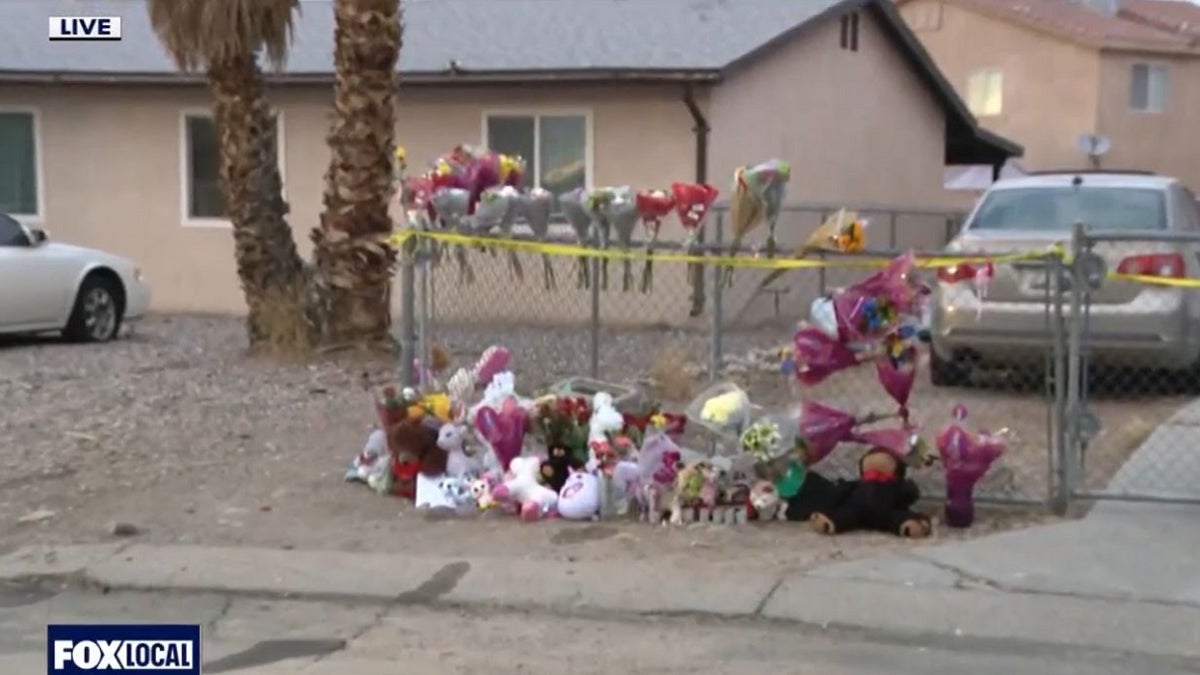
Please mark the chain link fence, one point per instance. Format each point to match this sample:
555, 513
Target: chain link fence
1019, 362
1133, 414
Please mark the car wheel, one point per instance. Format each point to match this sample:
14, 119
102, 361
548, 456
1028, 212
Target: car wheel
96, 316
947, 373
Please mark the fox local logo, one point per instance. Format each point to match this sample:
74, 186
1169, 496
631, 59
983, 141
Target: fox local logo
147, 650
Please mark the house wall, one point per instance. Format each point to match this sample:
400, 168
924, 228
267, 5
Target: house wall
1163, 142
858, 127
1050, 86
111, 162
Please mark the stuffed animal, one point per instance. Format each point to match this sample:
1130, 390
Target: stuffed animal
457, 492
481, 492
695, 484
579, 498
557, 467
765, 501
452, 439
521, 487
881, 499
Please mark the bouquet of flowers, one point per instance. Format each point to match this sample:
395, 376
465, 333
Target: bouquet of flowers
869, 310
897, 370
392, 405
692, 202
966, 457
621, 214
573, 207
536, 205
758, 193
562, 422
452, 205
843, 232
763, 441
652, 420
652, 206
599, 205
724, 409
823, 428
818, 356
497, 210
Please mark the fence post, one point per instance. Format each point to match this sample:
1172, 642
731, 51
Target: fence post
1075, 372
1060, 496
594, 333
716, 318
408, 312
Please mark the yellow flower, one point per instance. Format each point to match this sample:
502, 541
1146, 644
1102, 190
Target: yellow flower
508, 165
659, 421
443, 168
400, 154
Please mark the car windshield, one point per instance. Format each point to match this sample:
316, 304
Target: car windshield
1058, 208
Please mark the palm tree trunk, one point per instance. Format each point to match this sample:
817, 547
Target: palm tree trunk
351, 254
272, 274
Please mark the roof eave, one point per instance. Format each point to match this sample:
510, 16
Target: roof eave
462, 78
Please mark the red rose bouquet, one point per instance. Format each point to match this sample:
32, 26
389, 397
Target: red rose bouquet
562, 422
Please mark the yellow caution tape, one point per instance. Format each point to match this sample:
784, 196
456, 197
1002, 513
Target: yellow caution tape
1151, 280
578, 251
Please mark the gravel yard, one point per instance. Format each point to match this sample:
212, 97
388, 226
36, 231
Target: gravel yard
178, 433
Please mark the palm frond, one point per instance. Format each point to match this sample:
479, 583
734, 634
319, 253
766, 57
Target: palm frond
197, 33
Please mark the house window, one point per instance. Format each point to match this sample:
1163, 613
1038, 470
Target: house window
554, 146
1148, 88
849, 38
18, 164
204, 202
985, 92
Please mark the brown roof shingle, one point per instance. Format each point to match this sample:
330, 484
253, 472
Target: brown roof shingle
1139, 23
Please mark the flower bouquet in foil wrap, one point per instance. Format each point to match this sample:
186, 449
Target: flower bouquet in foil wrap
842, 232
724, 409
966, 457
621, 214
652, 206
574, 208
692, 203
601, 204
497, 210
452, 206
535, 206
867, 311
758, 194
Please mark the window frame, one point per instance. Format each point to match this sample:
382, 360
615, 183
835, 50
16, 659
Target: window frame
185, 178
557, 230
39, 175
985, 75
1151, 67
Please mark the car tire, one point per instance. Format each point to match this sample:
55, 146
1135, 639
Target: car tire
96, 316
944, 373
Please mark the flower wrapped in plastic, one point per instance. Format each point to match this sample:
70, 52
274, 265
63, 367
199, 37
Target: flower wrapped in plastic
823, 428
512, 171
503, 428
599, 204
652, 206
692, 203
573, 207
763, 441
535, 206
966, 457
903, 442
817, 356
452, 205
758, 194
450, 171
896, 369
870, 309
724, 409
497, 210
843, 232
621, 214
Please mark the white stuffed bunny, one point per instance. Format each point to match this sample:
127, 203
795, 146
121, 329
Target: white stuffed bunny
521, 487
452, 439
606, 419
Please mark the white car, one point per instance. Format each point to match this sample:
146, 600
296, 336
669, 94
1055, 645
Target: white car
45, 286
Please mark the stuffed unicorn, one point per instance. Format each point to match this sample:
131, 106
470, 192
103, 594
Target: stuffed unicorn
521, 487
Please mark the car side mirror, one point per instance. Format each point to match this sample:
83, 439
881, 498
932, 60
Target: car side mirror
37, 237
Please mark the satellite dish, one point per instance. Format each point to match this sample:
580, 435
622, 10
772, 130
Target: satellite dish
1093, 145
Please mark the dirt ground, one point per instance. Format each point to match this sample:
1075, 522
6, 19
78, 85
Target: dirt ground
180, 434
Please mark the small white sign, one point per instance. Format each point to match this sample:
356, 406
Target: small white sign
85, 28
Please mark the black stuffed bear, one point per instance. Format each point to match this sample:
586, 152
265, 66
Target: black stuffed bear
557, 467
881, 500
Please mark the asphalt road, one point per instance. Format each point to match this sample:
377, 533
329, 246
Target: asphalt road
272, 637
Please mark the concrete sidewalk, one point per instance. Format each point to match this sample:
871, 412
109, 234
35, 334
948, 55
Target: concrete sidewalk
1123, 579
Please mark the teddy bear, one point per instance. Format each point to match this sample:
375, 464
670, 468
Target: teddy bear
414, 449
558, 466
881, 500
765, 501
521, 487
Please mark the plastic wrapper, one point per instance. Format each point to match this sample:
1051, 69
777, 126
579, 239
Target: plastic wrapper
876, 306
903, 442
842, 232
498, 210
572, 205
759, 192
483, 172
535, 206
724, 409
621, 213
599, 204
823, 428
692, 203
897, 371
966, 458
652, 206
452, 205
817, 355
503, 428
